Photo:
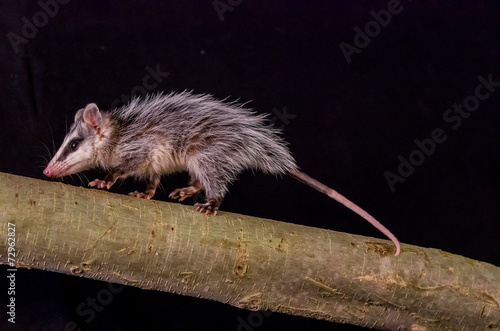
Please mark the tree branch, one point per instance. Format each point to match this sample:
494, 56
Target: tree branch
244, 261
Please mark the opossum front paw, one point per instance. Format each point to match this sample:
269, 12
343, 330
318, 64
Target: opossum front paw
183, 193
143, 195
99, 183
211, 206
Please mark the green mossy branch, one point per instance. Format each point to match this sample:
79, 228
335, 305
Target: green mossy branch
247, 262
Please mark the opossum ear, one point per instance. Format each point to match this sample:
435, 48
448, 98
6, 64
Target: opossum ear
92, 116
78, 115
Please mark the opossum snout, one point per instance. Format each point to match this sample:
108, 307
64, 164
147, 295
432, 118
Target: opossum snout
53, 169
49, 172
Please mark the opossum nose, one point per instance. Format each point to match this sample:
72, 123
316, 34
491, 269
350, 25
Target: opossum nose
48, 172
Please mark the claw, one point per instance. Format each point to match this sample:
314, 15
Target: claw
183, 193
210, 207
142, 195
99, 183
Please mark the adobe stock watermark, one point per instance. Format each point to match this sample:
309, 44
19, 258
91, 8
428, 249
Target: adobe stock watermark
254, 320
281, 118
372, 29
454, 117
11, 276
224, 6
30, 27
149, 82
89, 308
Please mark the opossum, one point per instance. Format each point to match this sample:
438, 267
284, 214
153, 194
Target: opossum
212, 139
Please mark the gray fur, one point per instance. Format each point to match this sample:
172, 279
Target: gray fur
160, 134
212, 140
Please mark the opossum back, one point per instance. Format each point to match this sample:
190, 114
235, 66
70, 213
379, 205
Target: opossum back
223, 131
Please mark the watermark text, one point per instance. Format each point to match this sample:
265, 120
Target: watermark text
372, 29
454, 117
30, 27
11, 276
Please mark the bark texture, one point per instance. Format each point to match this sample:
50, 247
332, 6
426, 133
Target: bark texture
247, 262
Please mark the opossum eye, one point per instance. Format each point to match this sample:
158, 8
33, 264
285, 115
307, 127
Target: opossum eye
74, 144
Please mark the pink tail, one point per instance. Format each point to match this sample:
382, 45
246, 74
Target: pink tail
306, 179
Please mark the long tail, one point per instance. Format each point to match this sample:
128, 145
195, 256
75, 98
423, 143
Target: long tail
306, 179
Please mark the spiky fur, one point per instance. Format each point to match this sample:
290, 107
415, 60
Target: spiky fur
211, 139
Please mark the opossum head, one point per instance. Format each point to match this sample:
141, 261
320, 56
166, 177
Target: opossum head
77, 152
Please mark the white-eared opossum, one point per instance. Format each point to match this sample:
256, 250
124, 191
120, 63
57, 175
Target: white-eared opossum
161, 134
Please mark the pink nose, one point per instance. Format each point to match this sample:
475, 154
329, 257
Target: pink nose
47, 172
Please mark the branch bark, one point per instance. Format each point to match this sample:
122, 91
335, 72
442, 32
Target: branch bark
247, 262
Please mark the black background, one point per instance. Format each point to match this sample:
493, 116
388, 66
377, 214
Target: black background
352, 121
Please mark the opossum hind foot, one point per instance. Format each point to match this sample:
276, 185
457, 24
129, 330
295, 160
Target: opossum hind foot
210, 207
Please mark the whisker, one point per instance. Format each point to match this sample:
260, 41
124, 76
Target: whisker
86, 178
42, 159
80, 175
47, 149
52, 140
66, 121
79, 178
